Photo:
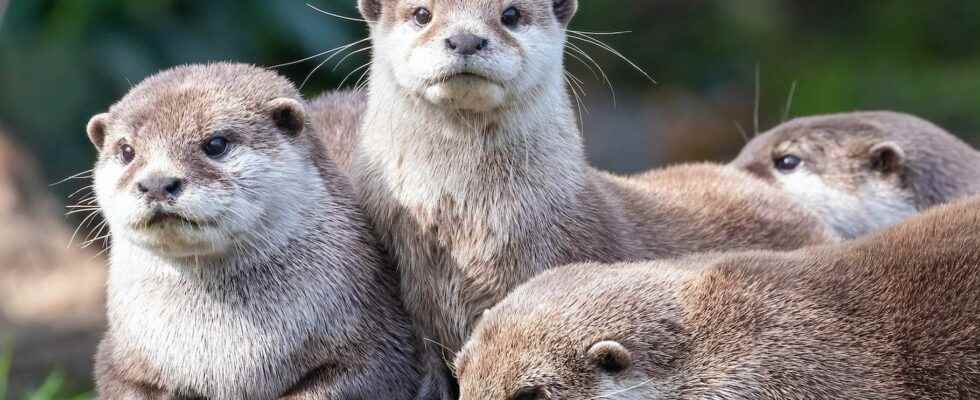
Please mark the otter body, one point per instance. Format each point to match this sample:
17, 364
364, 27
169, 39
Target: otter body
241, 266
890, 316
864, 171
472, 168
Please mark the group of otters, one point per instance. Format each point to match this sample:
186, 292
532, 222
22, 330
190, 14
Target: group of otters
443, 237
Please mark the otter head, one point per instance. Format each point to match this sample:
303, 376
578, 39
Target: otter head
551, 340
472, 55
846, 168
195, 161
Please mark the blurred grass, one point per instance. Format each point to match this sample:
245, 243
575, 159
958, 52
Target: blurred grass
54, 387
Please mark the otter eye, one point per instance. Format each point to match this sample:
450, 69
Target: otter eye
788, 163
511, 17
422, 16
126, 153
215, 147
528, 393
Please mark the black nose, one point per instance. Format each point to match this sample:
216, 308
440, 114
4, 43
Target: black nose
466, 44
160, 188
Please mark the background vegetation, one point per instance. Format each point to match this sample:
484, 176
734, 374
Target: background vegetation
62, 61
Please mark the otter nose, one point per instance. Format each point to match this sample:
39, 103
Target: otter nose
466, 44
160, 188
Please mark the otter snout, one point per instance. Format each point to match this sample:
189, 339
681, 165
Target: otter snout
160, 188
466, 44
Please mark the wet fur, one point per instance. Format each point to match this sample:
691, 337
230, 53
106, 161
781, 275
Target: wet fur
890, 316
303, 307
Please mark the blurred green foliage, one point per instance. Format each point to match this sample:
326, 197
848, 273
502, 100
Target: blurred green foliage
62, 61
53, 388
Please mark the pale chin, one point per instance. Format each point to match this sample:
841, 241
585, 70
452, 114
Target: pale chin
180, 243
466, 93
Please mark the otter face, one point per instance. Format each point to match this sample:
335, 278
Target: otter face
849, 174
473, 55
186, 171
522, 362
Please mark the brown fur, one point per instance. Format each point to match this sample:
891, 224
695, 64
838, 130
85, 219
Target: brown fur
473, 203
929, 166
321, 299
891, 316
336, 118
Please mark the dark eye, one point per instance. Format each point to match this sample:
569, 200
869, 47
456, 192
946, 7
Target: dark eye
422, 16
126, 153
511, 17
788, 163
528, 393
215, 147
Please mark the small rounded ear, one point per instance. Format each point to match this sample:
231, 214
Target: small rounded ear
288, 114
565, 10
887, 157
97, 130
610, 357
370, 9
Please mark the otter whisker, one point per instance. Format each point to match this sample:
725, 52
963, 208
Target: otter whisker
602, 72
745, 135
333, 50
581, 61
569, 78
359, 85
599, 33
341, 62
362, 67
336, 15
79, 191
310, 75
85, 222
789, 101
758, 97
81, 175
629, 389
602, 45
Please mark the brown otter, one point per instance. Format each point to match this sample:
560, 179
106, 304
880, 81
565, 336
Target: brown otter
894, 315
241, 267
472, 168
864, 171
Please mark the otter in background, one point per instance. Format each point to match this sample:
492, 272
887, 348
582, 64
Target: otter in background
864, 171
893, 315
241, 265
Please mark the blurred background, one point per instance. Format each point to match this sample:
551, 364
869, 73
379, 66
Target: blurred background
62, 61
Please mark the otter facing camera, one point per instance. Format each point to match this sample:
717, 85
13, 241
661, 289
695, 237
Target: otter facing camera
288, 114
887, 157
96, 130
610, 357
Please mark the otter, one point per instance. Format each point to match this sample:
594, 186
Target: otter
893, 315
336, 118
241, 265
472, 168
864, 171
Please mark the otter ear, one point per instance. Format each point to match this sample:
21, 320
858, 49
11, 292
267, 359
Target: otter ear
370, 9
565, 10
610, 357
288, 114
887, 157
97, 130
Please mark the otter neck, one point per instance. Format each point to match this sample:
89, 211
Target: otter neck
533, 137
